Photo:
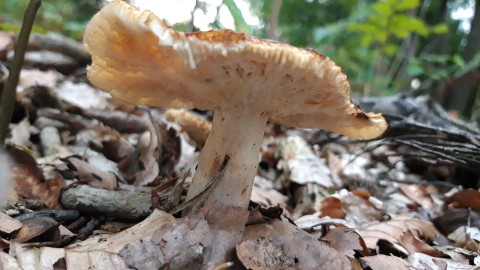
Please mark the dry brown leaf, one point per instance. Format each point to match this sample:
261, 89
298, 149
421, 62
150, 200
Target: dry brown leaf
115, 148
95, 259
423, 261
347, 241
227, 225
6, 191
392, 230
115, 242
87, 173
334, 162
50, 141
309, 222
38, 258
418, 194
34, 77
6, 43
382, 262
29, 180
181, 247
263, 254
467, 237
181, 242
332, 207
454, 218
358, 208
362, 194
268, 196
101, 252
148, 157
294, 246
8, 224
8, 262
38, 229
412, 244
308, 199
82, 95
467, 198
20, 133
302, 165
159, 152
145, 255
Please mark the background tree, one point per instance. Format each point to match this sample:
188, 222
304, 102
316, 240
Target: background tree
463, 97
385, 46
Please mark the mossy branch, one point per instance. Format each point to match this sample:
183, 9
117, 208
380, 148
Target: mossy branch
9, 92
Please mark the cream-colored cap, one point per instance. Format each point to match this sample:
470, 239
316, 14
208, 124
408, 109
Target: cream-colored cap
139, 59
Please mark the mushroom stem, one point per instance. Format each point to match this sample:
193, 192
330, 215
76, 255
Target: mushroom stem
237, 134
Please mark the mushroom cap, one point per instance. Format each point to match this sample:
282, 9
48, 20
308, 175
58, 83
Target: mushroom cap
136, 57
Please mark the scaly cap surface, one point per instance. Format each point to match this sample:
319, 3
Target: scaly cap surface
139, 59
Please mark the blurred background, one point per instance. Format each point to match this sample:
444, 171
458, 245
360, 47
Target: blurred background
386, 47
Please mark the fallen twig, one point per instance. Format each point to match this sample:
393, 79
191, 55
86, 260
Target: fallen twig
197, 200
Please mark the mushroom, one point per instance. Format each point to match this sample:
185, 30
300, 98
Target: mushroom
247, 81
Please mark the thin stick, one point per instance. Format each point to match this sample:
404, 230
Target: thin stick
198, 199
9, 92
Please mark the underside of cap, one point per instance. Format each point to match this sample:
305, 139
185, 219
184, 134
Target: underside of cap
139, 59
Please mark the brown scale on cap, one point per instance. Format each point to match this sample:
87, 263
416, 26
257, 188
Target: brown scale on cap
219, 36
245, 80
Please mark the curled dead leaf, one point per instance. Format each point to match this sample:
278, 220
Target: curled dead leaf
263, 254
346, 240
87, 173
8, 224
38, 229
293, 246
418, 194
412, 244
393, 229
467, 198
381, 262
29, 180
332, 207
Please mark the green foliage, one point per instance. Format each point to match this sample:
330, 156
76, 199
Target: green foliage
66, 16
240, 23
16, 28
453, 67
389, 21
300, 19
382, 45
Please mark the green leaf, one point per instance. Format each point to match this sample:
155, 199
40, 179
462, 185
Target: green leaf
217, 25
458, 60
240, 23
382, 8
182, 27
414, 70
391, 49
404, 5
402, 25
7, 27
439, 28
440, 74
323, 32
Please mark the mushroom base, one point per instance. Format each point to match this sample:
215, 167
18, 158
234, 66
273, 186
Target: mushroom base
238, 134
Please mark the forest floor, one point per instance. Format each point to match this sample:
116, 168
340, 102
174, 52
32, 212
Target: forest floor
94, 180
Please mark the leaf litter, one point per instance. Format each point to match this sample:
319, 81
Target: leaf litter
355, 205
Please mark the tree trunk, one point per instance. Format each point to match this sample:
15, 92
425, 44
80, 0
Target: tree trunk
463, 97
439, 45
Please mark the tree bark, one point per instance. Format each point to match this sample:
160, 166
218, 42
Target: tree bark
463, 97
